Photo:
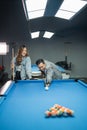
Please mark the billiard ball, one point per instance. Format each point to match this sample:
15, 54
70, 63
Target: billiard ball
53, 113
47, 113
70, 112
59, 113
57, 106
46, 88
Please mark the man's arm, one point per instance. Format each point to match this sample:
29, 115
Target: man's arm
49, 75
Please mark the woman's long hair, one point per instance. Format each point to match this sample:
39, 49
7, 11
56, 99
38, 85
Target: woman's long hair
19, 56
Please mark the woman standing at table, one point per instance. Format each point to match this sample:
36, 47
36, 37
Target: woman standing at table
21, 65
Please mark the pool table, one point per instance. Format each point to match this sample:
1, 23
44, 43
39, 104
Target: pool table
36, 73
24, 103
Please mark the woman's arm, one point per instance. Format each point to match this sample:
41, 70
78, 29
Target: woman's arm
28, 67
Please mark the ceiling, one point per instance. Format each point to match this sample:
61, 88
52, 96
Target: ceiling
14, 26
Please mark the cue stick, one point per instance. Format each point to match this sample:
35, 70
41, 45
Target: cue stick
13, 64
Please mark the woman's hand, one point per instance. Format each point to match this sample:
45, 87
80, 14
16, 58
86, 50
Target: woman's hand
12, 66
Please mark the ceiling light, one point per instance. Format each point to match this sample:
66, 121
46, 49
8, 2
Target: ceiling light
69, 8
64, 14
48, 34
35, 8
35, 34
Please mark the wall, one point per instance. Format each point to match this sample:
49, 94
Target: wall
55, 50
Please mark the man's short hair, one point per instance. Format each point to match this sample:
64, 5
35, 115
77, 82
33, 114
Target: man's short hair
39, 61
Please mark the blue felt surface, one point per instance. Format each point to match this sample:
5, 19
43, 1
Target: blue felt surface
27, 101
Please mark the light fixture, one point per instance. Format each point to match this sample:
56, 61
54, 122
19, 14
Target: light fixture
48, 34
35, 8
35, 34
69, 8
3, 48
